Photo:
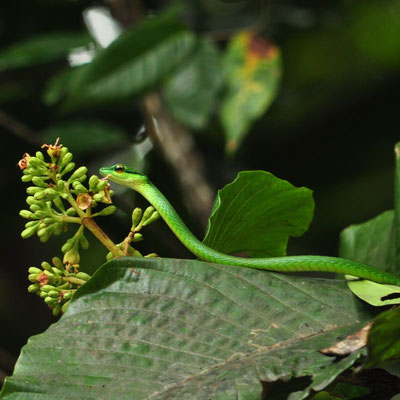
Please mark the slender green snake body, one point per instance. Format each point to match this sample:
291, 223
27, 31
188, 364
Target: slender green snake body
140, 183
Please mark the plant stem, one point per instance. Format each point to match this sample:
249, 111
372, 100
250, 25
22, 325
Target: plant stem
101, 236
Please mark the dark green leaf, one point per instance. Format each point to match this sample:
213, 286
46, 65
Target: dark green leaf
135, 62
86, 136
252, 68
384, 339
41, 49
190, 93
371, 242
59, 85
257, 213
180, 329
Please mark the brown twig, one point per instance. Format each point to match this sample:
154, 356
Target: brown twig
178, 148
19, 129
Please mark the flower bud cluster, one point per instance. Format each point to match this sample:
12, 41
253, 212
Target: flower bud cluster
51, 189
55, 284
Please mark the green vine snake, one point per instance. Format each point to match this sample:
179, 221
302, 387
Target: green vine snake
139, 182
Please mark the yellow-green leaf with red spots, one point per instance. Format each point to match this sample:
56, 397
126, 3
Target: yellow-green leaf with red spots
252, 68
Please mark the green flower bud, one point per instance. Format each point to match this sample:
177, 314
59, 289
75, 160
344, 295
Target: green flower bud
39, 182
67, 245
54, 294
34, 288
32, 278
101, 185
31, 200
39, 195
31, 223
36, 162
50, 301
84, 242
63, 152
26, 178
93, 181
58, 263
28, 232
151, 255
59, 204
79, 188
109, 256
68, 168
43, 294
98, 197
107, 211
71, 256
77, 174
61, 185
83, 275
58, 228
35, 207
64, 307
71, 212
47, 288
154, 217
66, 159
45, 233
82, 178
39, 155
136, 216
65, 196
148, 213
41, 214
46, 266
26, 214
48, 220
33, 189
58, 272
137, 237
68, 295
50, 194
57, 309
34, 270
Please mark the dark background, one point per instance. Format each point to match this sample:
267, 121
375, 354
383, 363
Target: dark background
332, 128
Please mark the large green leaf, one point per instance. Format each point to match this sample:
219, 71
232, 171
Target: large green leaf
85, 136
252, 68
376, 242
384, 339
185, 329
371, 242
190, 93
257, 213
41, 49
136, 61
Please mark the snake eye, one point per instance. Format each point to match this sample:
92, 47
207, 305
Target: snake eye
119, 168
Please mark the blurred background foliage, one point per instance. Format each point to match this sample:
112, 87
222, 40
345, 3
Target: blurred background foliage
193, 92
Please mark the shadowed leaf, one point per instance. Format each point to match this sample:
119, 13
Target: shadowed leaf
178, 329
252, 68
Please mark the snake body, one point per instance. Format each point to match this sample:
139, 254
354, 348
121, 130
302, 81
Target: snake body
140, 183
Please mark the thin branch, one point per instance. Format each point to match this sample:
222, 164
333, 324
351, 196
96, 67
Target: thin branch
19, 129
179, 150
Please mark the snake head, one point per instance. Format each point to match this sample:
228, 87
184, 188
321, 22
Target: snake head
125, 176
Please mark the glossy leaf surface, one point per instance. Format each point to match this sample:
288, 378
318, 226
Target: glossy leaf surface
133, 63
191, 92
257, 213
174, 329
